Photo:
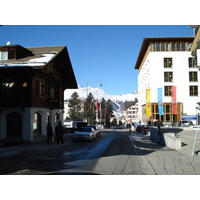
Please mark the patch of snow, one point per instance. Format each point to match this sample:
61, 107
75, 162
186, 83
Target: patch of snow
136, 137
44, 59
94, 151
31, 63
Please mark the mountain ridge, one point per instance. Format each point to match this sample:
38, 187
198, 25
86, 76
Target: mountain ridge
117, 100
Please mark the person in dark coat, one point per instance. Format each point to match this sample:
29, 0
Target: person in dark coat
59, 130
49, 133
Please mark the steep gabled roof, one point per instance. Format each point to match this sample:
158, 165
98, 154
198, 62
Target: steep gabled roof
128, 104
39, 57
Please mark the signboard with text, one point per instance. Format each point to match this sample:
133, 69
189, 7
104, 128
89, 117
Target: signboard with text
189, 117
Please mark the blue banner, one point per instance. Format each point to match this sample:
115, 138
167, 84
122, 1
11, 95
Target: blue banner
160, 103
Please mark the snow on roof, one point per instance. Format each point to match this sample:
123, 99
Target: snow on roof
36, 62
44, 59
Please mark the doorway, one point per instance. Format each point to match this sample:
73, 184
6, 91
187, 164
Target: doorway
37, 123
14, 125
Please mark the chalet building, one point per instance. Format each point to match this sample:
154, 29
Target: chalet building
32, 84
131, 111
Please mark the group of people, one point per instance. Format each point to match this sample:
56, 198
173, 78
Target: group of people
59, 131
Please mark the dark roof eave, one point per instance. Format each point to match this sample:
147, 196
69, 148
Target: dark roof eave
147, 41
12, 45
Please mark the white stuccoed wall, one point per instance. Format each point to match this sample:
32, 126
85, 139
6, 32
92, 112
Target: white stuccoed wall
152, 76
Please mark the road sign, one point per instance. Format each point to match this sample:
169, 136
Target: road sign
189, 117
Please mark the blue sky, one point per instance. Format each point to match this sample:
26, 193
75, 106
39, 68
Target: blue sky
100, 54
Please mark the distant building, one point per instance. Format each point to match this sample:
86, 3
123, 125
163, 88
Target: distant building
163, 63
131, 111
32, 87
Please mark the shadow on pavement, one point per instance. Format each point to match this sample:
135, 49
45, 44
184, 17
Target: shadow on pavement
40, 158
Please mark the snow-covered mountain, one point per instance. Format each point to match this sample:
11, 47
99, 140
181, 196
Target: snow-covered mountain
117, 100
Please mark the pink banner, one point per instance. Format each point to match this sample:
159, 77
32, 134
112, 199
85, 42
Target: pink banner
173, 95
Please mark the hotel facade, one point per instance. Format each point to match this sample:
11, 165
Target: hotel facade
165, 63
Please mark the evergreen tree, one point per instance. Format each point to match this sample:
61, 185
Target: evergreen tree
74, 106
89, 109
114, 122
109, 111
102, 110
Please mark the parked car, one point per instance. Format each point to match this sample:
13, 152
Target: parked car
96, 129
86, 133
184, 123
74, 126
140, 128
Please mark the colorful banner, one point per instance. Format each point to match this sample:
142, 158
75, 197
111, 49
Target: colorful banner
97, 105
91, 103
148, 102
173, 96
160, 102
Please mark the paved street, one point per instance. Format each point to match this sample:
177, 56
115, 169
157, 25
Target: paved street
117, 152
140, 156
113, 155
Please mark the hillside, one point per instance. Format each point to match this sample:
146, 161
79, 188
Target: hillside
117, 100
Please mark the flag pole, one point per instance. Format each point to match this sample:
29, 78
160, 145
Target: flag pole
97, 111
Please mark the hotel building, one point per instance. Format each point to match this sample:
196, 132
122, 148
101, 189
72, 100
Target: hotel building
163, 63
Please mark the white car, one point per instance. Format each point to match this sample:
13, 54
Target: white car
86, 133
96, 129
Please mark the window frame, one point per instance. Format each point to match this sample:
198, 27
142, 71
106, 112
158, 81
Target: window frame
4, 55
7, 86
192, 90
167, 77
42, 90
192, 62
167, 62
167, 90
193, 76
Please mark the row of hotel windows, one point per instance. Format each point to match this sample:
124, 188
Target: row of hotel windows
193, 90
179, 46
168, 62
168, 76
133, 108
132, 112
167, 109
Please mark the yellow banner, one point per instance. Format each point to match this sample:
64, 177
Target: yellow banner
148, 102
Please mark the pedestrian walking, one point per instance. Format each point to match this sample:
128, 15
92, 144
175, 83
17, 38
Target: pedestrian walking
59, 130
49, 133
